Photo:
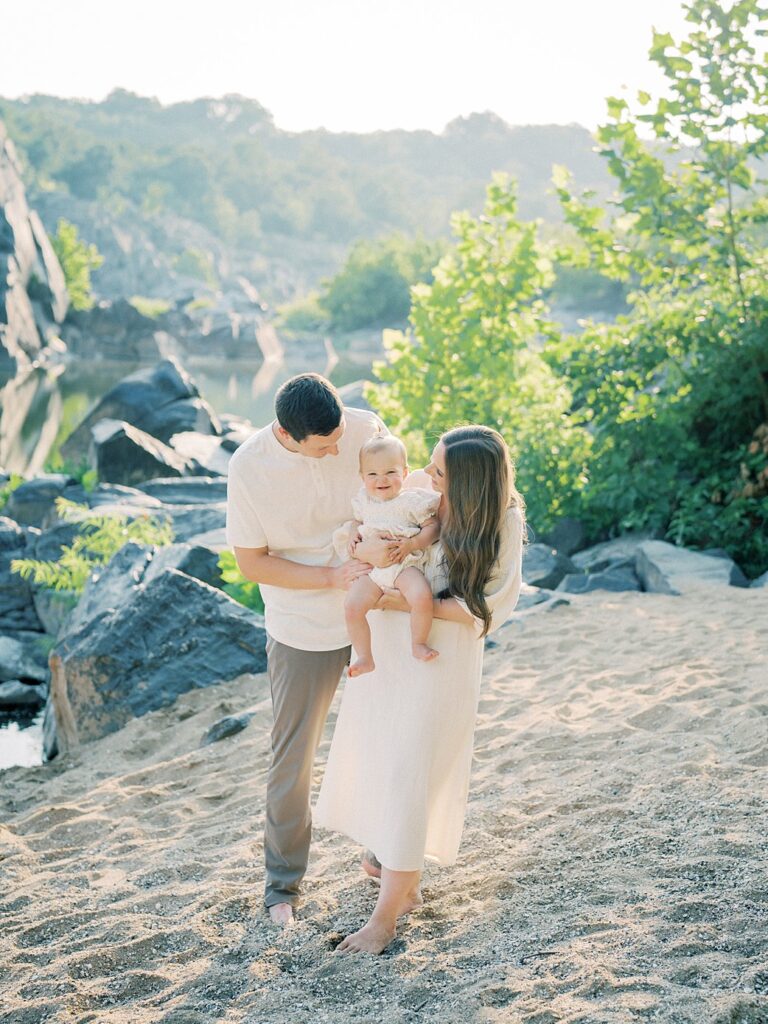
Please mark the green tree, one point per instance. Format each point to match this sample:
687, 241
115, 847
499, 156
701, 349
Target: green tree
674, 391
373, 288
77, 259
471, 355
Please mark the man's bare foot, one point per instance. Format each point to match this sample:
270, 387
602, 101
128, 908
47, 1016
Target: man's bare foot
424, 652
372, 938
281, 914
361, 666
371, 866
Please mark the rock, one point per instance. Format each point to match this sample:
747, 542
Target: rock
666, 569
32, 501
197, 561
761, 581
123, 454
33, 298
229, 726
16, 608
24, 656
174, 635
190, 520
545, 567
203, 450
531, 596
50, 740
352, 396
15, 694
617, 577
236, 430
215, 540
102, 494
187, 491
111, 586
48, 546
54, 608
160, 400
619, 551
12, 537
567, 535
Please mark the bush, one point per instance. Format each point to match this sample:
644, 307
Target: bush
237, 586
99, 538
77, 260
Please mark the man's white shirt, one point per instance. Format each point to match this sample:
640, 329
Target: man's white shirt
291, 504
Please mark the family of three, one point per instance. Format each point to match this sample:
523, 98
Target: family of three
412, 570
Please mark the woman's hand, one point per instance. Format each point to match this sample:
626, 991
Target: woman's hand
392, 601
354, 540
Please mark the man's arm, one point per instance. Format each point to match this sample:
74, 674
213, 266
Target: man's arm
257, 565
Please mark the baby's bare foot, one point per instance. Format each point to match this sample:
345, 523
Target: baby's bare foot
361, 666
372, 938
424, 652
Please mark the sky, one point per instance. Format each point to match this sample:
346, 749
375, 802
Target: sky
346, 65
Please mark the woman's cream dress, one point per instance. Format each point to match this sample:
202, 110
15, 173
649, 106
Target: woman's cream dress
398, 770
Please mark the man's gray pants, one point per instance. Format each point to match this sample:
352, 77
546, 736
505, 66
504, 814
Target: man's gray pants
303, 684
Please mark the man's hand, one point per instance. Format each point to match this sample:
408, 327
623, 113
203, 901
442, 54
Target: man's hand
377, 551
392, 601
343, 576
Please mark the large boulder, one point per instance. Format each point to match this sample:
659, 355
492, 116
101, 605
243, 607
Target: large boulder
24, 656
160, 400
188, 491
17, 610
666, 569
761, 581
123, 454
619, 551
175, 634
31, 502
33, 296
545, 567
567, 535
617, 578
203, 450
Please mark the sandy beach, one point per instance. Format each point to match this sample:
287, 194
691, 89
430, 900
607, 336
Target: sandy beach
614, 866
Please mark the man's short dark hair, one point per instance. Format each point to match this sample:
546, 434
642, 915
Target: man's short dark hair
308, 404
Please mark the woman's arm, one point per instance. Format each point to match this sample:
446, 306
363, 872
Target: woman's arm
447, 608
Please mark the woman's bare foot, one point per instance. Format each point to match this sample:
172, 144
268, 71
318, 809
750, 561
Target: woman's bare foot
281, 914
361, 666
424, 652
371, 866
372, 938
414, 900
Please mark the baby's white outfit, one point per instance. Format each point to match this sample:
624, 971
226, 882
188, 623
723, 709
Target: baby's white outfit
402, 516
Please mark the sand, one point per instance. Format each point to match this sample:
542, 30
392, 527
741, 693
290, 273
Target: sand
614, 864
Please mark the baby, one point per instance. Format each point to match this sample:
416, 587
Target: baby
382, 506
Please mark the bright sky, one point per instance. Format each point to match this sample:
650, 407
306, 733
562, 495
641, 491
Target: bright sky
354, 65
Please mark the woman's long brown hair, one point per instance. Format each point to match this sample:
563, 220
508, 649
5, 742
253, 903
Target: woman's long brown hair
480, 490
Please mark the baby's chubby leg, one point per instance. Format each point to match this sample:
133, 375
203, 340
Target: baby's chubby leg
413, 585
361, 598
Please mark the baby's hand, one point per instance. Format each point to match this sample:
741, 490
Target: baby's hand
400, 548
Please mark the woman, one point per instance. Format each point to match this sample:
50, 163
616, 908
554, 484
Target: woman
398, 770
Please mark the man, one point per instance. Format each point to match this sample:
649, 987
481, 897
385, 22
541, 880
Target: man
290, 486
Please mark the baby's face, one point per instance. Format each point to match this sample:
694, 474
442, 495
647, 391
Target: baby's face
383, 474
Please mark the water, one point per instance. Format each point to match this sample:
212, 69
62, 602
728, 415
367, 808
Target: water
21, 740
41, 407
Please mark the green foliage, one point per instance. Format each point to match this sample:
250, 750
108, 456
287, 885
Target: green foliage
77, 259
672, 392
304, 315
373, 287
244, 591
98, 539
15, 480
472, 355
152, 308
198, 264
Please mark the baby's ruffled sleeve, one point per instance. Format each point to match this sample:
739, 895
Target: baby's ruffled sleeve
424, 504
